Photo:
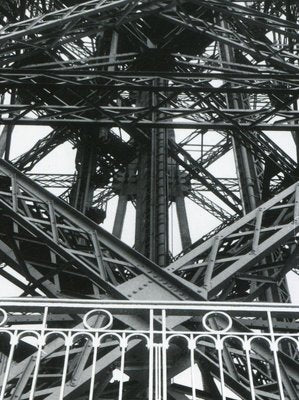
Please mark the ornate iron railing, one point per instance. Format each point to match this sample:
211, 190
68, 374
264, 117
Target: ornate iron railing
51, 349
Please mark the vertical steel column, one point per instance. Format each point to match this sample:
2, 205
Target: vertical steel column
246, 165
159, 198
152, 199
142, 201
250, 189
6, 134
82, 192
291, 12
151, 234
86, 161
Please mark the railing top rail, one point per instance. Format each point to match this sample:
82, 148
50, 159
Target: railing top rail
156, 305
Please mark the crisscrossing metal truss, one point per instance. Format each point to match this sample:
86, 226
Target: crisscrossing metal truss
40, 231
173, 125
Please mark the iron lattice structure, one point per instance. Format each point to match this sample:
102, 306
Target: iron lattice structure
136, 87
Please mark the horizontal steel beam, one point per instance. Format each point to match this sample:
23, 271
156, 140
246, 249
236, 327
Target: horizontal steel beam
184, 88
44, 121
85, 71
118, 111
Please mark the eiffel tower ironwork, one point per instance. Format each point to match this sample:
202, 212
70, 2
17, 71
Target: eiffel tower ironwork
152, 95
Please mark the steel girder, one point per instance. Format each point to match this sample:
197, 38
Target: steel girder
67, 243
239, 246
238, 126
42, 148
234, 121
65, 181
92, 255
129, 10
78, 84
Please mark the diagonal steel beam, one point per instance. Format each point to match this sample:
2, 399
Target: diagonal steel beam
255, 234
78, 14
27, 187
28, 160
47, 231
